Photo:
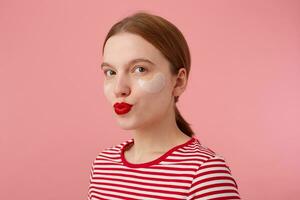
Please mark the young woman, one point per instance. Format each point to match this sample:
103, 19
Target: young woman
146, 63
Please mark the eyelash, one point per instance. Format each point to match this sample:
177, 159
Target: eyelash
138, 66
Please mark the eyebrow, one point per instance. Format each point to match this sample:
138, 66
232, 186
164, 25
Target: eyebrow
131, 62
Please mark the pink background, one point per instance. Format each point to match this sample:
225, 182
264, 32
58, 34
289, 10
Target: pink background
243, 95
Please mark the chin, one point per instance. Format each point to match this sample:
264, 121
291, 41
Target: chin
126, 124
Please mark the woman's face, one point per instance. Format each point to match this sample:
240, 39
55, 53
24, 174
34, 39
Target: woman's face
147, 85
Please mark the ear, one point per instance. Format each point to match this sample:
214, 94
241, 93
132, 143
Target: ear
180, 82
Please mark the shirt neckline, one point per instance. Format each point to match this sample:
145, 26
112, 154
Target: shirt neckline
155, 161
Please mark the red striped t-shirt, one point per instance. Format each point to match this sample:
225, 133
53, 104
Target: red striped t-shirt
187, 171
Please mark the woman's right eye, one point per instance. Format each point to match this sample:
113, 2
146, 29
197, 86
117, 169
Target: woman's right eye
105, 72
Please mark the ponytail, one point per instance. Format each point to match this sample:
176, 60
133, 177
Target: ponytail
183, 125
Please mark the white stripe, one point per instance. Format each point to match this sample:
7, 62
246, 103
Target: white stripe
170, 177
141, 191
169, 167
211, 183
125, 195
162, 182
180, 157
169, 170
221, 195
107, 161
166, 186
110, 155
214, 189
111, 150
185, 161
212, 168
103, 197
193, 153
212, 175
214, 163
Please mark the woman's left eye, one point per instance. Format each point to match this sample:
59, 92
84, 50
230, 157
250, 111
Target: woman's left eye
142, 69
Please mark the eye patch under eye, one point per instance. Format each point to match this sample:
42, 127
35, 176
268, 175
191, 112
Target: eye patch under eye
155, 84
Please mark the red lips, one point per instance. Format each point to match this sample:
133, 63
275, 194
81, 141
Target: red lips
122, 108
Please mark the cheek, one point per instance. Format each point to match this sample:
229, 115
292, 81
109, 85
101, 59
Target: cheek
154, 85
107, 88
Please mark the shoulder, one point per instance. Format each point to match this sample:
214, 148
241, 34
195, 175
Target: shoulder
201, 152
205, 158
213, 176
112, 151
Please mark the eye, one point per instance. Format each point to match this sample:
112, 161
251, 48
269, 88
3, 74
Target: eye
108, 70
140, 69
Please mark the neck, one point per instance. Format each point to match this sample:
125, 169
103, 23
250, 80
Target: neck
158, 137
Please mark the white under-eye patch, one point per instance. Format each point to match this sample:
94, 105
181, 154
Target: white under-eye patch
154, 85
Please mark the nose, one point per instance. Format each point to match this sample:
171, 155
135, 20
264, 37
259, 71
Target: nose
122, 88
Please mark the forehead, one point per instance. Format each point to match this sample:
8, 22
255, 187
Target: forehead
123, 47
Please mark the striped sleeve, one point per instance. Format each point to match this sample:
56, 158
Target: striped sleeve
213, 180
90, 181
